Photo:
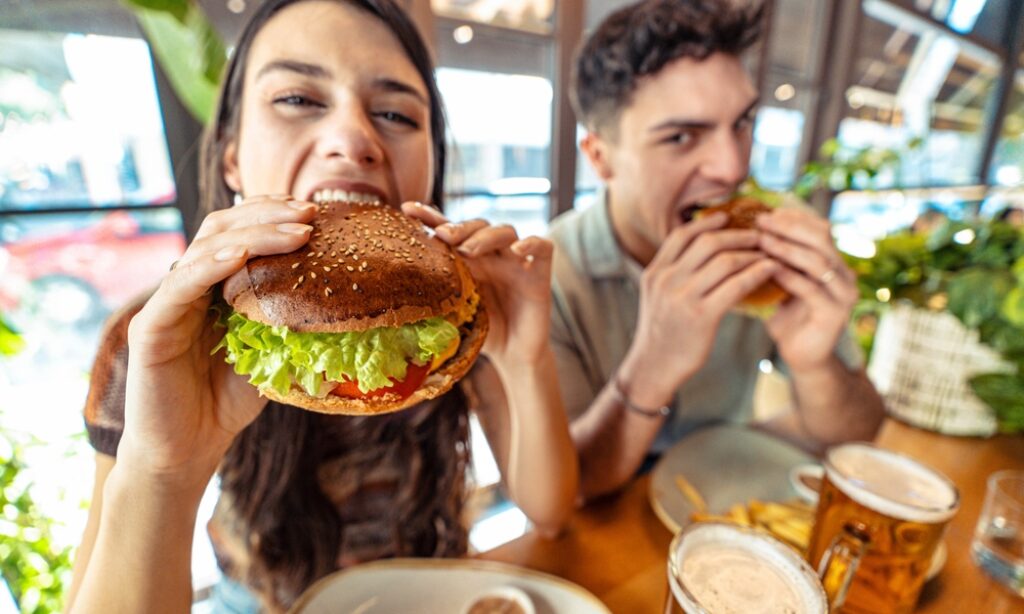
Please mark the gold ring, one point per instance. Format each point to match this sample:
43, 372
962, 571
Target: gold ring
827, 276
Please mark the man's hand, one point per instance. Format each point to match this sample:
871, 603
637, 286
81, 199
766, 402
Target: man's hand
699, 273
807, 327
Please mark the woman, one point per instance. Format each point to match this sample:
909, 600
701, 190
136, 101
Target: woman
342, 92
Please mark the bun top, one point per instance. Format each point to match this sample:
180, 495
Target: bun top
364, 266
742, 211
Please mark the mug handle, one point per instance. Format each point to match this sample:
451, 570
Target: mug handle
840, 561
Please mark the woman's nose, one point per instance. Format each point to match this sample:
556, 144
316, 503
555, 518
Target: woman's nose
349, 136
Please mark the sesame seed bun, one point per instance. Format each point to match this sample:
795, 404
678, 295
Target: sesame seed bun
365, 266
742, 212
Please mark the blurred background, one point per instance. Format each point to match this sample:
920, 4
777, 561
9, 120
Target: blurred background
882, 112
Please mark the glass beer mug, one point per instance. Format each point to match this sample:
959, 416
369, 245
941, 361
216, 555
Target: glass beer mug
879, 520
716, 567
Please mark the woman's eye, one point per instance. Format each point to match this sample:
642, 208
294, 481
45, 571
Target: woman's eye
398, 118
296, 100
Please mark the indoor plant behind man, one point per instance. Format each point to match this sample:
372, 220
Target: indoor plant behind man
649, 345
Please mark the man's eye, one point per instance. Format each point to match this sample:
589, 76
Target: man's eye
745, 122
679, 138
398, 118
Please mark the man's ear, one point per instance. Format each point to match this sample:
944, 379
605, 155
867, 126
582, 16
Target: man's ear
230, 163
597, 151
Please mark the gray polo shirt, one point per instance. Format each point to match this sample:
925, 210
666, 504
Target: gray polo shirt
596, 300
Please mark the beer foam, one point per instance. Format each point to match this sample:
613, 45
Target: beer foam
891, 484
729, 570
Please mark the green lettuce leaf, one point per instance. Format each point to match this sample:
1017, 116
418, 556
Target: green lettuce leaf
275, 357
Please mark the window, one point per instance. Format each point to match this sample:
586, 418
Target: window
529, 15
80, 123
913, 79
501, 128
87, 221
1007, 167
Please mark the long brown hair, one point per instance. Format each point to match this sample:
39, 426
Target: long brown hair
271, 473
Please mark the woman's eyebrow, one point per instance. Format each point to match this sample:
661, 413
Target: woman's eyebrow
295, 66
388, 84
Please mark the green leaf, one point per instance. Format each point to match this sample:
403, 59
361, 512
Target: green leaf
1004, 393
188, 48
179, 9
1013, 308
276, 357
10, 341
975, 295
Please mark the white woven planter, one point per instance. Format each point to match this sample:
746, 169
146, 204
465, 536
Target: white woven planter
921, 362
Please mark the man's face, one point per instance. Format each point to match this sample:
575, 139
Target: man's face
684, 140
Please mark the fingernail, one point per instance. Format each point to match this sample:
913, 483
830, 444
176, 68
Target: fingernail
233, 252
300, 205
294, 229
465, 251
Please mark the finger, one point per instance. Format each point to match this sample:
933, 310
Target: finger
730, 292
488, 240
190, 282
260, 240
455, 233
800, 226
259, 197
533, 249
807, 290
837, 278
680, 238
264, 211
710, 244
424, 213
721, 267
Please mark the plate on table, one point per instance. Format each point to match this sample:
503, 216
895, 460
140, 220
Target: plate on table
726, 465
441, 585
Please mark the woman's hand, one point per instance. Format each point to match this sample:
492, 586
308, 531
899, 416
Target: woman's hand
514, 278
807, 327
183, 406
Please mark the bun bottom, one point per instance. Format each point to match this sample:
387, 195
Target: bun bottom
768, 294
436, 384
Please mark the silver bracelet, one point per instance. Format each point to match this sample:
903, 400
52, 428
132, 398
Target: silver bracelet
620, 396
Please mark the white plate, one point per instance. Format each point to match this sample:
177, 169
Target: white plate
400, 586
727, 464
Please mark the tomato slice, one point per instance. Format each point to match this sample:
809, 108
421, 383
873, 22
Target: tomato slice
414, 376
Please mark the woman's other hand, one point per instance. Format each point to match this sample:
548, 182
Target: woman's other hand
514, 276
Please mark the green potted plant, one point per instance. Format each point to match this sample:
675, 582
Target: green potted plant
33, 566
974, 272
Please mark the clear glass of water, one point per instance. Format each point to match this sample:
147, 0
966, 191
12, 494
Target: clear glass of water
998, 546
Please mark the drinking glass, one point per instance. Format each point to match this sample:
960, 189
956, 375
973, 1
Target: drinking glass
998, 546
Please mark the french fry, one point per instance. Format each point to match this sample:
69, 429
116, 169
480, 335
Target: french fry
740, 515
691, 494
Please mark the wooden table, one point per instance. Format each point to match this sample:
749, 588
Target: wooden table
617, 548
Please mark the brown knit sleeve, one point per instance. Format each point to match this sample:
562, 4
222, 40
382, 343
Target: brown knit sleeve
104, 406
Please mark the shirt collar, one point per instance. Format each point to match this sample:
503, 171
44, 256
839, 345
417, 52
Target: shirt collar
603, 255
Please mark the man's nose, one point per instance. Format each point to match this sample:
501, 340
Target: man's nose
350, 135
727, 158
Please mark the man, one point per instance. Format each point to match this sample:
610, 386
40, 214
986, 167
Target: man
648, 342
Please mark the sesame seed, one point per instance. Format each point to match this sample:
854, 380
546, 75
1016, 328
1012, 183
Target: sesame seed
328, 291
355, 286
312, 274
327, 269
296, 265
320, 254
302, 278
350, 268
294, 286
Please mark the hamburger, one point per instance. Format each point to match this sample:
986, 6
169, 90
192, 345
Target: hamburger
742, 211
373, 315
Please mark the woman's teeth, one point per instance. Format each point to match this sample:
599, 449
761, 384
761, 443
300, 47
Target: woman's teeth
330, 196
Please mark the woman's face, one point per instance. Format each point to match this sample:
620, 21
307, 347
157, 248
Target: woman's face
331, 102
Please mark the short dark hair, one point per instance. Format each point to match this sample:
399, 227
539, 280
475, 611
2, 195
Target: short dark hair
640, 39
